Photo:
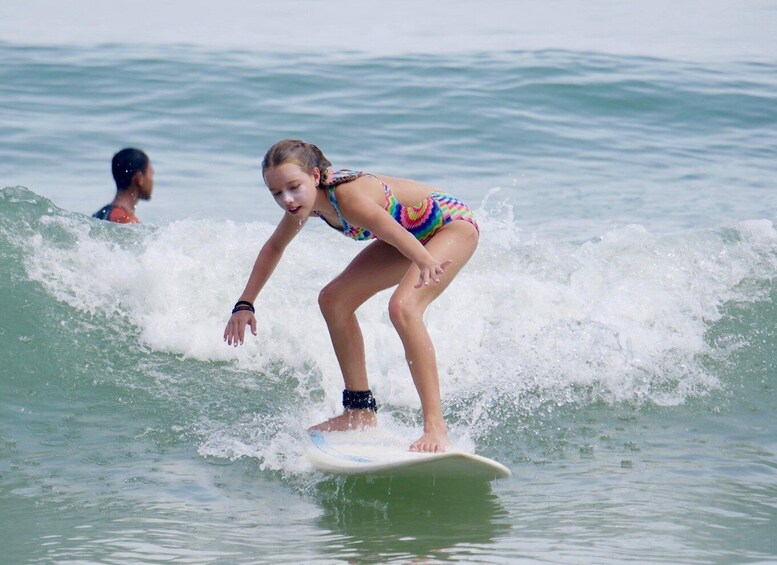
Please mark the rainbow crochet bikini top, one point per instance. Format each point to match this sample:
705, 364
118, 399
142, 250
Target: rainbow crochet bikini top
422, 219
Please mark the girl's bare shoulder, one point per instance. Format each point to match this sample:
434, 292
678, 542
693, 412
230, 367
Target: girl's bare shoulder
407, 190
364, 186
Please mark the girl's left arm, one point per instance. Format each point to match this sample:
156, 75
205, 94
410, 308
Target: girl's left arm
360, 210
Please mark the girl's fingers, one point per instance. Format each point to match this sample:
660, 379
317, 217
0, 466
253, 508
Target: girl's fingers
234, 333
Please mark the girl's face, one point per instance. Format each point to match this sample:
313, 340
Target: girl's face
293, 189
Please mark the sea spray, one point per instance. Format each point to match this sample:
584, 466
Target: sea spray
621, 318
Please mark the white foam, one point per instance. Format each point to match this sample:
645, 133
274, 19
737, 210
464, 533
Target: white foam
619, 318
628, 300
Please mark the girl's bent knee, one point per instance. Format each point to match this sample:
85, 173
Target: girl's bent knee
328, 301
402, 313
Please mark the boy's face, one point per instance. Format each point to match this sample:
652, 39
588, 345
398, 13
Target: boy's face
145, 182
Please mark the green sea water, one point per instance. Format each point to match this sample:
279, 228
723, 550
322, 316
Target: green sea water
612, 341
119, 446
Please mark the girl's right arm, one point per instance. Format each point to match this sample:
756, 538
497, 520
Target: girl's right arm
266, 261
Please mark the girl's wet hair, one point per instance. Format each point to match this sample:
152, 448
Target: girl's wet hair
306, 155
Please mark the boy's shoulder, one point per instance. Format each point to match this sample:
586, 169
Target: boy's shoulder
115, 214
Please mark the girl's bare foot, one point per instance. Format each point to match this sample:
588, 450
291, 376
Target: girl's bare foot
358, 419
434, 440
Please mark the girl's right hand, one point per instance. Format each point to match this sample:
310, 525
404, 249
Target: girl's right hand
234, 333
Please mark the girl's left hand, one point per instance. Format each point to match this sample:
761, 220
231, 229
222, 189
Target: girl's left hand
431, 273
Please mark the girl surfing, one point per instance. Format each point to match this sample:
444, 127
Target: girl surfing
421, 240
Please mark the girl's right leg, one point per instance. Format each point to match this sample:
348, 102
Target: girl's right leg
378, 267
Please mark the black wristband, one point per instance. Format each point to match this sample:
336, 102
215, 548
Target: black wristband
243, 305
359, 400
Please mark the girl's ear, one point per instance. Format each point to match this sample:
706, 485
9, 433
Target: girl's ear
316, 176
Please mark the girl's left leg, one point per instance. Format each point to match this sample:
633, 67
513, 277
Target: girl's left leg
456, 242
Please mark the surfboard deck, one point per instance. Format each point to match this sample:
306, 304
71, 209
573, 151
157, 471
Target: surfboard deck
371, 453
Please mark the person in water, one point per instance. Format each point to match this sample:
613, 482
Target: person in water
134, 176
422, 239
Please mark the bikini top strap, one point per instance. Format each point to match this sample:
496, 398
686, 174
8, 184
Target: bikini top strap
333, 199
334, 178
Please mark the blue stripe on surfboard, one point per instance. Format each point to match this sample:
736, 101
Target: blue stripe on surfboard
320, 442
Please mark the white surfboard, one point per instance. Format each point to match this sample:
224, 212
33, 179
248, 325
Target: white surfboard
372, 453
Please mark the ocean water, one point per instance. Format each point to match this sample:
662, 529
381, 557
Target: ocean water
612, 341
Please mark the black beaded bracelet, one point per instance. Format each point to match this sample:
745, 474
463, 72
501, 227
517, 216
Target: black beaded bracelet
241, 305
359, 400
